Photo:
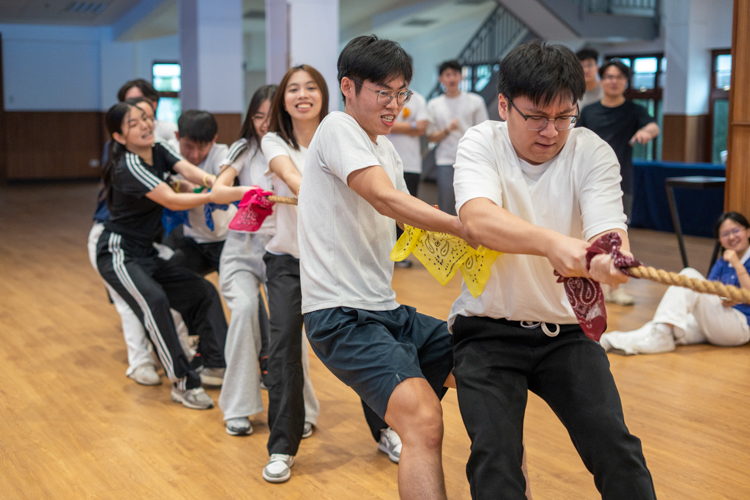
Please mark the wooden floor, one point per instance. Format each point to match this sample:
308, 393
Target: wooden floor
72, 426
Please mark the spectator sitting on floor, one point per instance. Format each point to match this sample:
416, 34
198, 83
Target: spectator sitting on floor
686, 317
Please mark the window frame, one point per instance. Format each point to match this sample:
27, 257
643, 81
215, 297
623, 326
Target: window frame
165, 93
715, 95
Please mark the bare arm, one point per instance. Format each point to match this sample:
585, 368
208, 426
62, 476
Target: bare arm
287, 172
194, 174
224, 191
374, 185
496, 228
165, 196
646, 134
442, 134
406, 128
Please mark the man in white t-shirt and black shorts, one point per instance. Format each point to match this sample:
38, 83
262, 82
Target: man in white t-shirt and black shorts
395, 359
540, 191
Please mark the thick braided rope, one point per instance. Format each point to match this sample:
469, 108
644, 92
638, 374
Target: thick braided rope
282, 199
702, 286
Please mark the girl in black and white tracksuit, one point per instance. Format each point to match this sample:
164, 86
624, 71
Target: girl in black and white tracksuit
243, 272
134, 180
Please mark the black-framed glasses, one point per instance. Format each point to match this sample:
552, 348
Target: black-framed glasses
537, 123
384, 97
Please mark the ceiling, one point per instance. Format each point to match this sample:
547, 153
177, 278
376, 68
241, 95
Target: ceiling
399, 19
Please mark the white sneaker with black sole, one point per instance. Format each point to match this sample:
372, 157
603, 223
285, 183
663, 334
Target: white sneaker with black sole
307, 431
390, 444
195, 399
278, 468
239, 426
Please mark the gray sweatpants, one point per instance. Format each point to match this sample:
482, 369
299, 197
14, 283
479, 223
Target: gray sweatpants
243, 272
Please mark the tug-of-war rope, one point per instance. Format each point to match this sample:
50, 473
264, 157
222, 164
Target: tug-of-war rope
443, 255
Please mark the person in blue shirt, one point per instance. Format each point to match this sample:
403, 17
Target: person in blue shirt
687, 317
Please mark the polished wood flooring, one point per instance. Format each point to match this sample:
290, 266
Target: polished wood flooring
72, 426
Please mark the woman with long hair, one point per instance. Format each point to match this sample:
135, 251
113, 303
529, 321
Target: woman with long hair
134, 182
687, 317
296, 111
243, 273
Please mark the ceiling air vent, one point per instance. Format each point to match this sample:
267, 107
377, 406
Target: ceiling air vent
86, 7
420, 22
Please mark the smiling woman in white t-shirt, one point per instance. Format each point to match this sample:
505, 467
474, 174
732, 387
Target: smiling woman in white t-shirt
296, 110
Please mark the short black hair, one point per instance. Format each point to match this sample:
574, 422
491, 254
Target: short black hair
148, 90
541, 72
371, 58
587, 53
446, 65
199, 126
617, 64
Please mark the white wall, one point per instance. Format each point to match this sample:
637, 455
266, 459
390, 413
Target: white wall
431, 49
62, 68
50, 68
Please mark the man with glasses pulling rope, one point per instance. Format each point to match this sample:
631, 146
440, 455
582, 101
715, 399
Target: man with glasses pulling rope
540, 191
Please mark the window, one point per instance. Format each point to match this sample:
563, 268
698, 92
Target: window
718, 102
645, 88
167, 81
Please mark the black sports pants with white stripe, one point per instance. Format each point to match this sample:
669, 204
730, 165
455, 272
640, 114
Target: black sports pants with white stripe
151, 286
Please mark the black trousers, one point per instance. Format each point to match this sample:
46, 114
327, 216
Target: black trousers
202, 258
151, 286
497, 362
286, 405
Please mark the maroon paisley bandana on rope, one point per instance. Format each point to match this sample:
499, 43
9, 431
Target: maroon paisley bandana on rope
585, 295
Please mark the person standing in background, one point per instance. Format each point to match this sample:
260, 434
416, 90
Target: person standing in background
590, 62
450, 115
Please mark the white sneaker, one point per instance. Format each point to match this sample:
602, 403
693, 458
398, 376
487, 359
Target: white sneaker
239, 426
278, 468
390, 444
212, 377
661, 339
620, 297
307, 431
146, 374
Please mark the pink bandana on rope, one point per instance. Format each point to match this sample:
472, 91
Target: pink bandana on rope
252, 211
585, 295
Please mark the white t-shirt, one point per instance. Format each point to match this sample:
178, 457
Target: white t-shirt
345, 244
251, 167
407, 146
198, 230
468, 109
164, 131
577, 194
590, 97
285, 239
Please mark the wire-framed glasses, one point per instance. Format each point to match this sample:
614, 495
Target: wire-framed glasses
384, 97
537, 123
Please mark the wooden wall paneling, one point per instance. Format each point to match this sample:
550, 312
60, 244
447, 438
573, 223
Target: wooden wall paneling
53, 144
229, 127
737, 195
673, 147
684, 138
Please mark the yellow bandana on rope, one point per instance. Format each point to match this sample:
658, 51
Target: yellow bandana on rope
443, 254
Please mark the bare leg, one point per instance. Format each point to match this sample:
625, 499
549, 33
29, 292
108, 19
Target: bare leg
414, 412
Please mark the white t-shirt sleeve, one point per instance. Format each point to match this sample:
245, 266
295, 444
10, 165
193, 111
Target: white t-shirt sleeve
239, 161
272, 146
476, 174
343, 148
480, 113
432, 117
420, 113
600, 196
